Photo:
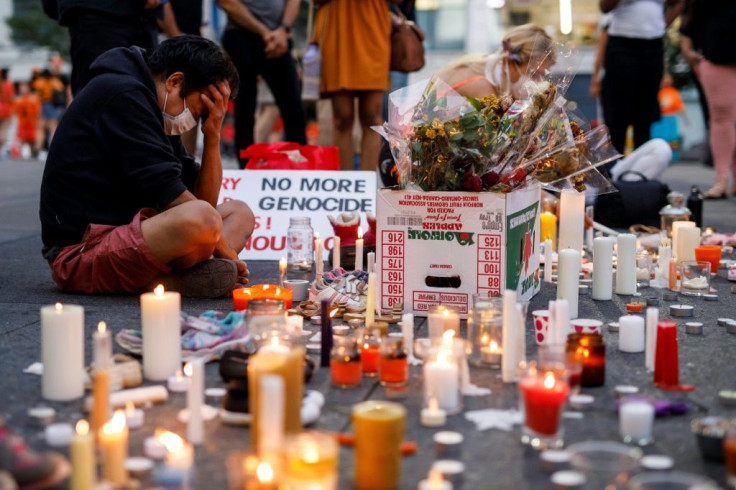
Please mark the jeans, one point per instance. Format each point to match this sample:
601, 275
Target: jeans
92, 33
247, 52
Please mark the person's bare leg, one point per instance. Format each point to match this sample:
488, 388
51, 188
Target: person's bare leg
370, 113
184, 235
238, 222
343, 113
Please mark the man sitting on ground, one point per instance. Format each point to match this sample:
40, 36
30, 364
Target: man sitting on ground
123, 206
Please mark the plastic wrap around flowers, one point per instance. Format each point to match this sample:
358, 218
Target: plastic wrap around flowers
443, 141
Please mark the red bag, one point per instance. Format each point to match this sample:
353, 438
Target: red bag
291, 156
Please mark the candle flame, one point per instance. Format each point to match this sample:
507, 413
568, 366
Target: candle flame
447, 337
116, 424
282, 262
334, 312
494, 346
484, 338
278, 292
549, 380
360, 233
188, 370
102, 327
159, 290
82, 427
171, 441
59, 306
178, 374
129, 408
264, 473
311, 454
433, 404
435, 477
316, 235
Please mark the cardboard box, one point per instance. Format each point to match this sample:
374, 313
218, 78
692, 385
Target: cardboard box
442, 247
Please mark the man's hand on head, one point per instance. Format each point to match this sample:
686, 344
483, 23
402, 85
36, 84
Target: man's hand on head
215, 98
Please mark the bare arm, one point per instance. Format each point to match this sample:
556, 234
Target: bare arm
239, 13
672, 11
595, 80
209, 180
168, 24
291, 11
693, 57
607, 5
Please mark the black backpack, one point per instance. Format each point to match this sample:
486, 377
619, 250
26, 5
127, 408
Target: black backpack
636, 203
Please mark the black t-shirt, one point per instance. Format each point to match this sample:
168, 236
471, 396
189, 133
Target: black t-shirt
110, 156
188, 15
711, 24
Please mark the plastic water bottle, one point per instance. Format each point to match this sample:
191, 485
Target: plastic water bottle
310, 75
300, 244
695, 205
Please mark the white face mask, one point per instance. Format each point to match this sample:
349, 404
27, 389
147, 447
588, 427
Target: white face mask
179, 124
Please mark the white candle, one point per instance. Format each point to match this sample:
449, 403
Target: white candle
688, 239
271, 420
336, 252
441, 378
434, 482
318, 263
568, 275
636, 419
562, 321
62, 352
161, 333
134, 417
651, 337
550, 336
177, 383
407, 330
195, 399
359, 250
509, 362
282, 271
520, 334
589, 231
59, 434
371, 262
603, 268
626, 264
433, 415
631, 333
435, 322
102, 351
137, 396
572, 220
676, 227
663, 263
548, 260
179, 461
370, 303
82, 455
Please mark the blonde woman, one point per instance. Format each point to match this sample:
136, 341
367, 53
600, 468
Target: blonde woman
527, 51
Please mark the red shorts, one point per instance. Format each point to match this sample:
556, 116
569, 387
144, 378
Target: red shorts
110, 259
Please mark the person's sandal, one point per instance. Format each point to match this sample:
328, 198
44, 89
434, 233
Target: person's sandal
213, 278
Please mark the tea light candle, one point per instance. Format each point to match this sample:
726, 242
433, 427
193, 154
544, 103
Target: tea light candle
451, 470
651, 337
710, 297
656, 462
134, 417
179, 461
58, 435
434, 481
614, 327
161, 329
318, 260
548, 260
554, 459
631, 335
113, 439
626, 264
282, 271
44, 415
694, 328
567, 279
669, 296
568, 479
722, 322
311, 461
155, 447
62, 352
433, 415
448, 444
195, 399
359, 250
572, 220
336, 257
603, 268
82, 455
681, 310
491, 353
177, 383
623, 390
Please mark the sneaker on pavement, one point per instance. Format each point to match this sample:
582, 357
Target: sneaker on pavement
213, 278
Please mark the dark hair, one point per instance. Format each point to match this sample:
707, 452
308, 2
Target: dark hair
202, 62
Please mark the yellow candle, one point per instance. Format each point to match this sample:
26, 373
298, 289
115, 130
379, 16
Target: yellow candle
379, 431
113, 437
311, 461
100, 400
287, 362
82, 454
548, 224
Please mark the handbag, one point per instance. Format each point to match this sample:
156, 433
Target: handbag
290, 156
407, 50
636, 202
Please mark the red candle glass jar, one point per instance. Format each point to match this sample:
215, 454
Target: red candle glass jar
345, 370
370, 346
591, 348
394, 362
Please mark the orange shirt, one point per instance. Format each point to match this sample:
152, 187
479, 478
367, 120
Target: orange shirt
46, 86
7, 93
27, 108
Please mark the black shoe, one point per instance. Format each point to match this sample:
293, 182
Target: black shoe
213, 278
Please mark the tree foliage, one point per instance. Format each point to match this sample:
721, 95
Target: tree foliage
31, 27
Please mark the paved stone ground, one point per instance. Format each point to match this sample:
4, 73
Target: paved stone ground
495, 459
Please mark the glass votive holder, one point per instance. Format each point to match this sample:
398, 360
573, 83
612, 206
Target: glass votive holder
590, 348
711, 254
671, 480
544, 390
636, 419
345, 370
370, 346
605, 464
442, 378
694, 277
265, 315
311, 460
246, 470
644, 269
394, 362
485, 326
573, 362
441, 318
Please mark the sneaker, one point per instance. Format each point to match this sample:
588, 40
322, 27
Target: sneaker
213, 278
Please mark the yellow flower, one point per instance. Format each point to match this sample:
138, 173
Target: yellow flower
431, 134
